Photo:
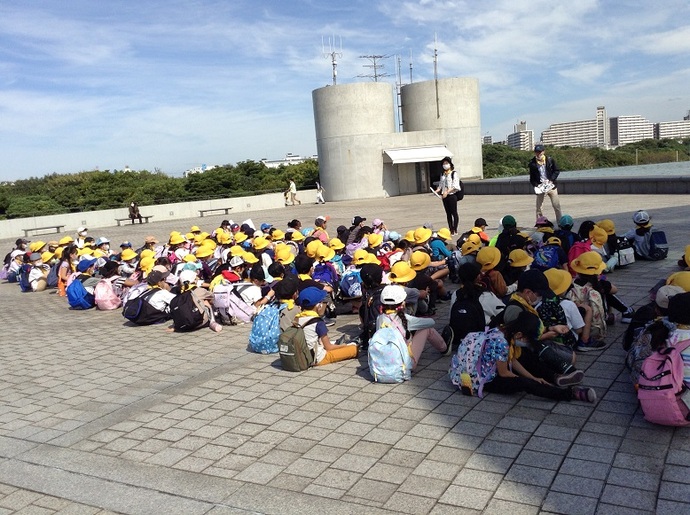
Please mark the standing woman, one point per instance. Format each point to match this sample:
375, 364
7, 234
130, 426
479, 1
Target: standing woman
449, 188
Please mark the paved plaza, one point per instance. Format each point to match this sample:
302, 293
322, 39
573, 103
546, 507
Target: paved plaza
98, 416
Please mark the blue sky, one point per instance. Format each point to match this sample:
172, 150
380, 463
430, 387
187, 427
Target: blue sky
174, 84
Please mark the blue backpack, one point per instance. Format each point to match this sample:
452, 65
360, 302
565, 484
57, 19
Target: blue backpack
658, 245
324, 274
546, 257
78, 297
52, 278
351, 284
263, 338
23, 278
389, 357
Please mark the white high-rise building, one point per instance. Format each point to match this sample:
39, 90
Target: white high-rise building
581, 133
630, 129
602, 128
673, 130
521, 138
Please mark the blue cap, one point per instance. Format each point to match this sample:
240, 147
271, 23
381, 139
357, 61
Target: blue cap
125, 244
85, 264
565, 221
311, 296
265, 226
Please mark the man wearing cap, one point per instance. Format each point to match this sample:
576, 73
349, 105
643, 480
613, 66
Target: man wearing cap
81, 237
543, 173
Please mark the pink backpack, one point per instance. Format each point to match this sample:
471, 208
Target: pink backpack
106, 298
662, 394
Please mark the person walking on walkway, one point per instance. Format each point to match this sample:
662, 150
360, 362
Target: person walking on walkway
543, 172
292, 189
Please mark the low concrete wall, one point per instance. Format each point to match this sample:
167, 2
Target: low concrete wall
660, 185
106, 218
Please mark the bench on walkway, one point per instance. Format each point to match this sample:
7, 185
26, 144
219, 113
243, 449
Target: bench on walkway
56, 228
120, 220
202, 212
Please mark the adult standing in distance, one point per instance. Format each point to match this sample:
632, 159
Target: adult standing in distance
292, 189
450, 189
543, 172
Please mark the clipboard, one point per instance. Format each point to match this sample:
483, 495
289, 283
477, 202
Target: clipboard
434, 192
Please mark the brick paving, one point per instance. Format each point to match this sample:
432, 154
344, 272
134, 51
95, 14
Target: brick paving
100, 417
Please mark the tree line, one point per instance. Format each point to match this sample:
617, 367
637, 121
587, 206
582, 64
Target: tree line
94, 190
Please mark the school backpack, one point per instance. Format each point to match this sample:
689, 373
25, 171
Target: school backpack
371, 309
52, 277
640, 349
351, 284
324, 274
139, 311
625, 252
546, 257
658, 245
187, 311
23, 278
265, 333
389, 356
4, 272
105, 297
467, 370
662, 394
228, 300
466, 316
78, 297
295, 354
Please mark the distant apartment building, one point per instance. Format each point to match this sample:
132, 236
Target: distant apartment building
487, 140
289, 159
673, 130
581, 133
629, 129
521, 138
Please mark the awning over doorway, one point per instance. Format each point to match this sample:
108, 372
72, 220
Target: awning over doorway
416, 154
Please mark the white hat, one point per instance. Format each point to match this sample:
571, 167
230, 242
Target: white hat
236, 261
81, 229
16, 253
393, 294
187, 276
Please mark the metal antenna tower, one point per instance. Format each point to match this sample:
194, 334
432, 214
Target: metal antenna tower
438, 109
333, 53
375, 65
410, 66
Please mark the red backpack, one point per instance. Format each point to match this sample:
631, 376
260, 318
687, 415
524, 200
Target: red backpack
662, 394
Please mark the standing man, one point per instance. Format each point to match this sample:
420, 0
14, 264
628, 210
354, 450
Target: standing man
543, 173
292, 189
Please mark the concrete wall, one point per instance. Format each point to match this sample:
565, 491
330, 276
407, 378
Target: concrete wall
106, 218
660, 185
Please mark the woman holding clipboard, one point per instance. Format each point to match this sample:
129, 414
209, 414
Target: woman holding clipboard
450, 191
543, 172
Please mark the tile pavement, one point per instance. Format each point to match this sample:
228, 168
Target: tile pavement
99, 417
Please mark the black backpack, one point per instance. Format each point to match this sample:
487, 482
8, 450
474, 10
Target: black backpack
139, 311
187, 311
371, 309
466, 316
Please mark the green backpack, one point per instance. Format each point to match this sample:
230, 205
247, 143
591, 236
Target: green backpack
295, 354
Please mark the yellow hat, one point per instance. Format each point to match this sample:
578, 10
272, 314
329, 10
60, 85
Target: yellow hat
607, 225
260, 243
209, 243
98, 253
419, 260
277, 235
195, 228
488, 257
86, 251
362, 257
284, 256
598, 236
559, 280
444, 233
250, 258
374, 239
297, 236
312, 248
146, 264
47, 256
58, 252
325, 253
588, 263
409, 236
554, 240
189, 236
681, 279
236, 250
128, 254
146, 253
401, 272
240, 237
474, 238
203, 251
336, 244
66, 240
468, 247
176, 239
189, 258
421, 235
519, 258
200, 237
36, 246
223, 237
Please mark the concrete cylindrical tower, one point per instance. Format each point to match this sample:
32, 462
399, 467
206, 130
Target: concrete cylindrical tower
458, 116
352, 121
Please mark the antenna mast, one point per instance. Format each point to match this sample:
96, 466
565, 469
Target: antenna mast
438, 110
410, 66
375, 66
333, 53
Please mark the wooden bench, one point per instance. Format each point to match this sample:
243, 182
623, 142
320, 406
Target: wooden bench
56, 228
226, 210
120, 220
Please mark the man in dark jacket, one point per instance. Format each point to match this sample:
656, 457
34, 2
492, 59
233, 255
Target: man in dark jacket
543, 173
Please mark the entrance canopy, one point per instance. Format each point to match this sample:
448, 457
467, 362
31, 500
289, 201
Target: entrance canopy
416, 154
